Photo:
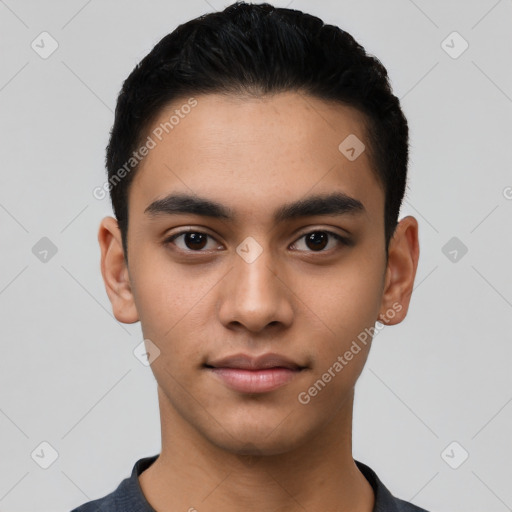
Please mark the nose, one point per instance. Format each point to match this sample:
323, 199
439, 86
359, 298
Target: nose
255, 295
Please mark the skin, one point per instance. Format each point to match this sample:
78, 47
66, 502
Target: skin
222, 449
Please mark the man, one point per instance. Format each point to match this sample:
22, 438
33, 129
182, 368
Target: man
257, 165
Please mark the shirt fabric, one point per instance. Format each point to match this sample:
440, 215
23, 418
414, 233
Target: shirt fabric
128, 496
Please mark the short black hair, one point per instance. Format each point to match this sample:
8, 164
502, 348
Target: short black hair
259, 49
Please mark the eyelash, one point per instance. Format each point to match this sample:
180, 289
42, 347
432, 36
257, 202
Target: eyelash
344, 241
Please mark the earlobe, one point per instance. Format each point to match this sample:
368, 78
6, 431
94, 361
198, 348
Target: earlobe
403, 256
115, 272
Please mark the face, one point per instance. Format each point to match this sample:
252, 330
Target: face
258, 286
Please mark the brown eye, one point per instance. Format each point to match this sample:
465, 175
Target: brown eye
317, 241
195, 240
192, 241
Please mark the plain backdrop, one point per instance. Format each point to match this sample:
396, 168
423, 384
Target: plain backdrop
433, 411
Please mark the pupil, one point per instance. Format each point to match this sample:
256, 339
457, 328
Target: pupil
318, 239
192, 240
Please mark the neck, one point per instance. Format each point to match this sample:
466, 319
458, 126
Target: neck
192, 473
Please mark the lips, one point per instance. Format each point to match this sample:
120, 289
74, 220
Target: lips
247, 374
245, 362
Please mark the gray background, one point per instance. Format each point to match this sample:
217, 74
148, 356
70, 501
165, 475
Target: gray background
68, 375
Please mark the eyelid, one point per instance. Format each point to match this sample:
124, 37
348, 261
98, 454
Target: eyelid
170, 239
341, 239
316, 229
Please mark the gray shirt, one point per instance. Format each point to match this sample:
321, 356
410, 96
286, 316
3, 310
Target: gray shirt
128, 496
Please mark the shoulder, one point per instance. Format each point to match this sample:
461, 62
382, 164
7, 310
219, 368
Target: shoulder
107, 503
405, 506
384, 500
127, 497
110, 503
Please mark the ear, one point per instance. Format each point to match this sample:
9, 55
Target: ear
403, 255
115, 272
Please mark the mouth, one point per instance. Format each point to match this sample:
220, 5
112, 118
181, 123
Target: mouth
247, 374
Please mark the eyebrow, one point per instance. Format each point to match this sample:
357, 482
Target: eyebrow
336, 203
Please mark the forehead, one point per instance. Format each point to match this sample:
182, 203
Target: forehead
254, 154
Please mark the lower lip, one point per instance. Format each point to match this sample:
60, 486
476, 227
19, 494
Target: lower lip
255, 381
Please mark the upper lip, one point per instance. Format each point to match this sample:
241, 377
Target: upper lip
246, 362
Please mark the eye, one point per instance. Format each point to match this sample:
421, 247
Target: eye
315, 241
318, 240
192, 241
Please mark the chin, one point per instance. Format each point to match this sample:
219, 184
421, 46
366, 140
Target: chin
259, 446
271, 437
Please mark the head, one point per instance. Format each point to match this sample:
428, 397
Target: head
286, 155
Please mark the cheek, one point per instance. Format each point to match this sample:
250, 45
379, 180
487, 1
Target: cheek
174, 306
161, 290
158, 308
354, 303
346, 308
345, 301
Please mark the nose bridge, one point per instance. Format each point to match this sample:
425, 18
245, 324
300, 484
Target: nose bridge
256, 296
